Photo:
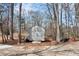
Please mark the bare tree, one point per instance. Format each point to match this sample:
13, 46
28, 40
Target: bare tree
55, 8
36, 17
12, 12
51, 27
1, 22
76, 17
20, 9
1, 25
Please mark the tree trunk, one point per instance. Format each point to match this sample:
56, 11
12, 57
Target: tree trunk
76, 18
20, 8
61, 28
8, 24
51, 23
12, 13
2, 30
56, 6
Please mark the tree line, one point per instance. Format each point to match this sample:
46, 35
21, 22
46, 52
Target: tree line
62, 20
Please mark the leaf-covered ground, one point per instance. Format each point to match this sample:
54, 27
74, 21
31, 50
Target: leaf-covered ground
43, 49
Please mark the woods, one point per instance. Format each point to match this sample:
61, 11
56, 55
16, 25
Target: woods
60, 20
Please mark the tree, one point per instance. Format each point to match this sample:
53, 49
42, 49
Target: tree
55, 12
56, 6
76, 17
7, 29
51, 27
2, 10
36, 17
20, 9
12, 13
1, 25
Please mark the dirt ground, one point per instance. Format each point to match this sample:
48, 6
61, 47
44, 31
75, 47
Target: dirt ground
40, 49
43, 49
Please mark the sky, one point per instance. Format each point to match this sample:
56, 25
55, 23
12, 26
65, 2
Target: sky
31, 6
41, 7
